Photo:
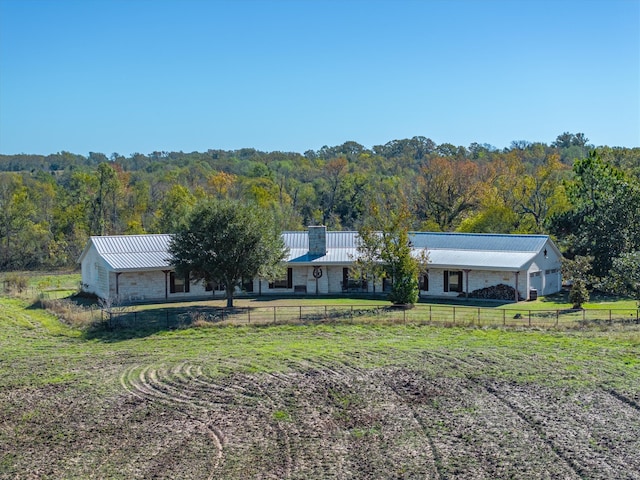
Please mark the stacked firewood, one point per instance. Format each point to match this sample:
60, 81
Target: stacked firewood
496, 292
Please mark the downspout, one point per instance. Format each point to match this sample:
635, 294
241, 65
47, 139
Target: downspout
118, 284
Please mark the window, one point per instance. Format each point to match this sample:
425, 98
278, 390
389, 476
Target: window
213, 287
424, 284
178, 284
353, 281
247, 285
285, 282
452, 281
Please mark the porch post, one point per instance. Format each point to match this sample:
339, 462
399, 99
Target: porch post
517, 295
166, 288
466, 288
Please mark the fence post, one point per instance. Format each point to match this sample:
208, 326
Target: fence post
609, 315
248, 314
274, 316
223, 309
351, 314
584, 314
529, 317
454, 315
325, 312
478, 316
404, 316
557, 317
301, 313
504, 318
429, 313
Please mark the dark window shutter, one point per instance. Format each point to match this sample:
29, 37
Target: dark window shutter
446, 280
426, 283
289, 278
345, 277
172, 282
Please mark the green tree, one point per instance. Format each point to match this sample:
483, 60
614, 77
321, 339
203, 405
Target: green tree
387, 252
334, 173
369, 249
396, 253
604, 218
579, 272
447, 190
624, 276
174, 209
225, 242
17, 211
104, 212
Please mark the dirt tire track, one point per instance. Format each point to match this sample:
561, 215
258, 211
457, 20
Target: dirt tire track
533, 425
137, 384
575, 468
622, 398
583, 470
282, 435
437, 458
230, 393
163, 461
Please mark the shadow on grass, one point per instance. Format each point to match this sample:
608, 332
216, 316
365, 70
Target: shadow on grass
312, 296
126, 323
464, 302
560, 297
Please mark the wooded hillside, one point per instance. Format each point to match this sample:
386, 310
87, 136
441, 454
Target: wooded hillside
50, 205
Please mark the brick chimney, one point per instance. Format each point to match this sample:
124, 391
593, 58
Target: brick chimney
317, 241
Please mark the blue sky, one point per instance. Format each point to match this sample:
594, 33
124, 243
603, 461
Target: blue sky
142, 76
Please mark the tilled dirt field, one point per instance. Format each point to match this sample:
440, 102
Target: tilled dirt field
320, 420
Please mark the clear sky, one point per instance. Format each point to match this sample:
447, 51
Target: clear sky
131, 76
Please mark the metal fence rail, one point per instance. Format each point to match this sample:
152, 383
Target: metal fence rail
420, 314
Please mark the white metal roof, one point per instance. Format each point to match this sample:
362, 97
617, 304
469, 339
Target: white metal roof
445, 250
134, 252
489, 242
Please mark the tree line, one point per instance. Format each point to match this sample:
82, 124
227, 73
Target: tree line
585, 196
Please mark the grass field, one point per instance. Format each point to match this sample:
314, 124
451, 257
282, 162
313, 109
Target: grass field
317, 401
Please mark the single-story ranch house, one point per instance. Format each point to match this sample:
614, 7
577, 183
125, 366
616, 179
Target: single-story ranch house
137, 267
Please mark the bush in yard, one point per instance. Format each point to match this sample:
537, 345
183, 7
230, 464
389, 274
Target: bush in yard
15, 282
578, 293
